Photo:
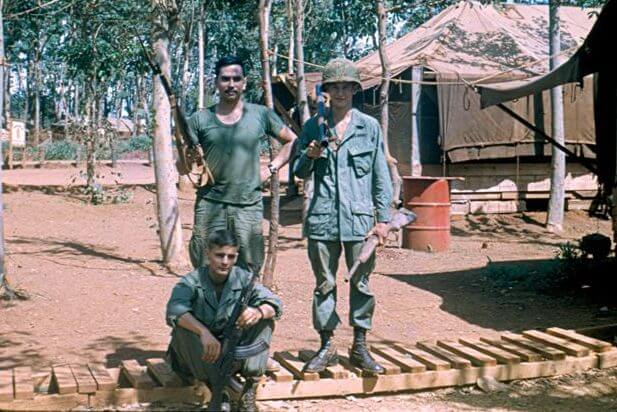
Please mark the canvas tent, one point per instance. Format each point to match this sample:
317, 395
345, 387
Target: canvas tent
468, 42
593, 57
471, 42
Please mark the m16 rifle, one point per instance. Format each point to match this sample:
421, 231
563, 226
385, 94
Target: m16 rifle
321, 116
398, 218
231, 352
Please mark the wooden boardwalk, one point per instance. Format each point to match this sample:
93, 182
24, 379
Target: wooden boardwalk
424, 365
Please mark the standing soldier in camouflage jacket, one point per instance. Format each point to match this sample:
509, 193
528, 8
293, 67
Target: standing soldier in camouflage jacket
352, 195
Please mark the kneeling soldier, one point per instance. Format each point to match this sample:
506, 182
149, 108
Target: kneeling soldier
199, 308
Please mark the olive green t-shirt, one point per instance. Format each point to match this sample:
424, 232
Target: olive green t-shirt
232, 152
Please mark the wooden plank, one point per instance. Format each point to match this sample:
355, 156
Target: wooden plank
137, 374
404, 361
281, 375
294, 365
570, 348
161, 371
477, 358
546, 351
6, 385
389, 367
23, 383
334, 372
501, 355
431, 361
104, 381
525, 354
591, 343
455, 360
607, 359
423, 380
63, 380
85, 381
54, 403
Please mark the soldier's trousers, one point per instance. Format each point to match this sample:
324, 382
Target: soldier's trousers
185, 353
324, 257
243, 221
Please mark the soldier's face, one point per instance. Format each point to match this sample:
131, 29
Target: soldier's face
221, 260
341, 94
231, 82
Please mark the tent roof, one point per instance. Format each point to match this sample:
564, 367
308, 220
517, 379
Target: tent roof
591, 57
476, 40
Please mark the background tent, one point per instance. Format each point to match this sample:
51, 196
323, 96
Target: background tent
594, 56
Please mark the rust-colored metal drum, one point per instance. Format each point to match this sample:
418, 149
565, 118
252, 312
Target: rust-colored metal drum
429, 199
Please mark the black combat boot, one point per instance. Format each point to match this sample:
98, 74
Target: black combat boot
248, 397
359, 355
326, 356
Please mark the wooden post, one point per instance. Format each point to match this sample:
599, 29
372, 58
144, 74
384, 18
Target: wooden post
416, 161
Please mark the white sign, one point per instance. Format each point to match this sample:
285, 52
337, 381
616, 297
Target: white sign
18, 133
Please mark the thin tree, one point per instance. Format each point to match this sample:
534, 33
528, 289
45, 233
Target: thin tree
384, 93
301, 93
5, 290
555, 215
289, 12
301, 97
265, 7
168, 212
201, 103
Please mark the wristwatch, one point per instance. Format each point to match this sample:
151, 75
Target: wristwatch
273, 169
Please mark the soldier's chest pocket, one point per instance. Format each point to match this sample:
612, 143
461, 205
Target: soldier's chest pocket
361, 158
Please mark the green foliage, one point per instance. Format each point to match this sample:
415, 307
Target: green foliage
141, 143
62, 150
568, 252
98, 195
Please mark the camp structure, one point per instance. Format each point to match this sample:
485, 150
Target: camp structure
436, 125
593, 57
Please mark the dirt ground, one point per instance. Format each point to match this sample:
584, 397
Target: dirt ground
97, 293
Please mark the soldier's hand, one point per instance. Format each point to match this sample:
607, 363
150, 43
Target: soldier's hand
381, 231
249, 318
314, 150
211, 347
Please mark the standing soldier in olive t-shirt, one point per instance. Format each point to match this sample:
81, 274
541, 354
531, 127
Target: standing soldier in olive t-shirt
230, 133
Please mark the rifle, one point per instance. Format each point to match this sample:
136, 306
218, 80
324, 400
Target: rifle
190, 153
398, 219
231, 351
321, 117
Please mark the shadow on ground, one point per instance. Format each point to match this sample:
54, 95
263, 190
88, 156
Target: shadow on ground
118, 349
525, 294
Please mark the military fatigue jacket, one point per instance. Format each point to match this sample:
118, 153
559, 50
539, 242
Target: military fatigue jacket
352, 186
195, 293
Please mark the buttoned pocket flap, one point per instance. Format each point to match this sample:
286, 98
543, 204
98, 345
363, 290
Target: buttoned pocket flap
361, 157
359, 208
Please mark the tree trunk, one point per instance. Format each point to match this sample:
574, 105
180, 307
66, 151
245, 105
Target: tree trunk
37, 102
201, 44
556, 205
264, 28
292, 37
384, 93
170, 229
4, 286
301, 97
186, 54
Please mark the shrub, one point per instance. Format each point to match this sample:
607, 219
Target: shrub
62, 150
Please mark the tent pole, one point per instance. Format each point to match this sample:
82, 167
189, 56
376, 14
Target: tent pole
585, 162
